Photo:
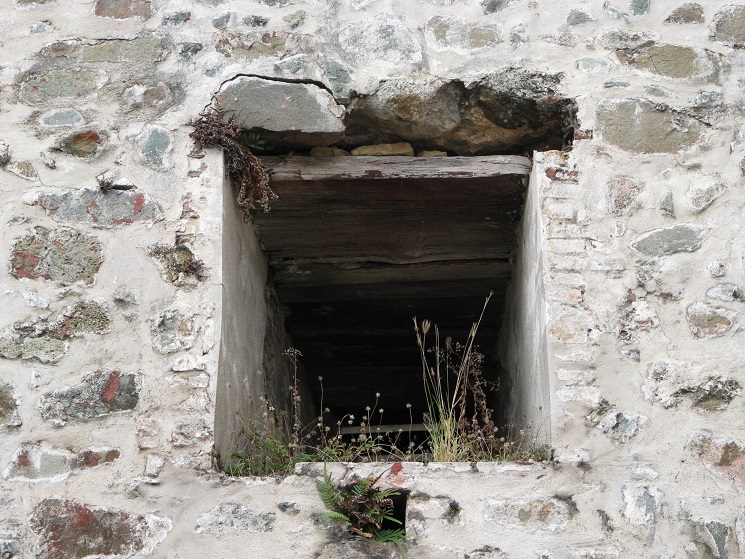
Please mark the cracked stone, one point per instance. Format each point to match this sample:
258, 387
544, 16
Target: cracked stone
712, 395
102, 209
706, 321
33, 462
69, 529
669, 240
99, 394
63, 255
300, 113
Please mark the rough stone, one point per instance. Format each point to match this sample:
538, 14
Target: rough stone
504, 110
301, 113
728, 26
323, 151
123, 9
529, 515
187, 50
69, 529
616, 13
177, 18
220, 22
617, 39
57, 118
9, 416
295, 19
81, 144
101, 209
667, 205
4, 154
578, 16
252, 45
682, 237
457, 34
639, 7
621, 426
706, 321
255, 21
34, 462
59, 83
640, 126
673, 61
148, 49
99, 394
84, 317
383, 40
594, 67
725, 457
172, 331
23, 169
233, 518
717, 269
642, 504
155, 96
401, 148
492, 6
712, 395
727, 292
93, 457
63, 255
690, 12
178, 264
702, 193
155, 144
622, 194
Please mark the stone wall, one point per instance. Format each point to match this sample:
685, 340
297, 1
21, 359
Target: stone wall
116, 284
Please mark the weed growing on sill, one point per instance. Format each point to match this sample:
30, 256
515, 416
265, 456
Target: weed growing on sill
362, 507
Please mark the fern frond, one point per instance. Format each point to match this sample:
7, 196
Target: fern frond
330, 495
396, 536
336, 516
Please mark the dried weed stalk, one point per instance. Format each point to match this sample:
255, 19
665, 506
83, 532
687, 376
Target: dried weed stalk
244, 168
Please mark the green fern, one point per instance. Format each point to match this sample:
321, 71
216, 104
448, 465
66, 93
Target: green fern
396, 536
336, 516
330, 495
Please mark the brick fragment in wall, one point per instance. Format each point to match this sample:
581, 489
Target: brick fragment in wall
101, 209
64, 255
548, 514
69, 529
724, 457
9, 416
235, 518
99, 394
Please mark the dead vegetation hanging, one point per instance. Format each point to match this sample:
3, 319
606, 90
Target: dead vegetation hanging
244, 168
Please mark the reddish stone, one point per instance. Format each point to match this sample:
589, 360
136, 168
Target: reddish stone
726, 457
558, 174
111, 387
69, 529
123, 9
81, 144
90, 458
